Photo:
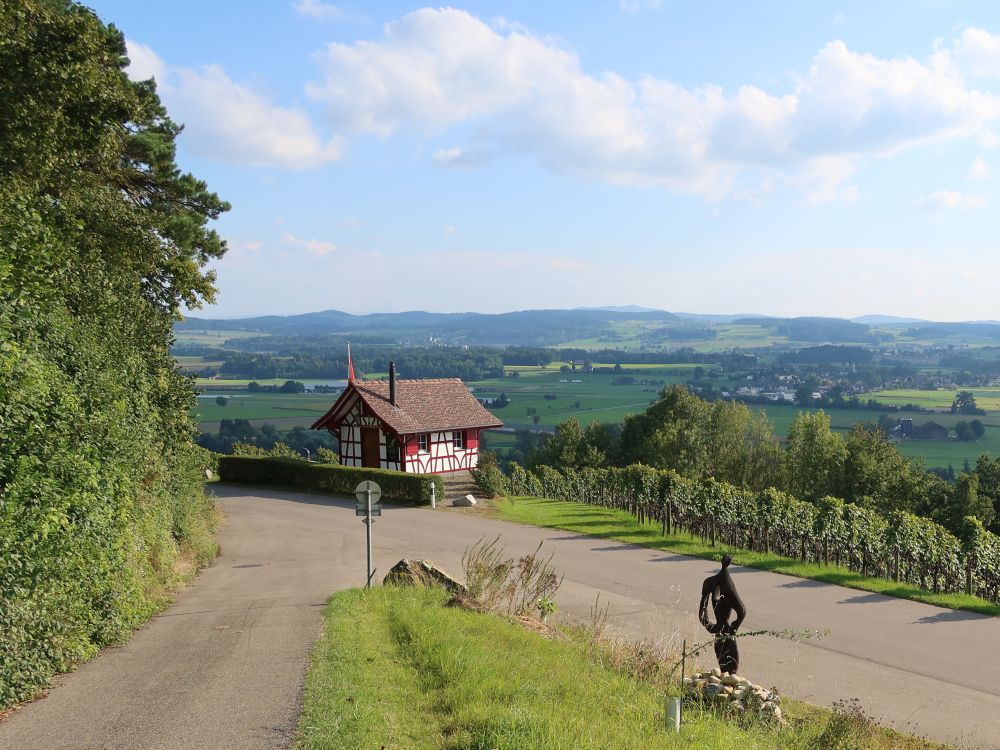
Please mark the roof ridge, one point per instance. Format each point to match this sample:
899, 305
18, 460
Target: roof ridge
414, 380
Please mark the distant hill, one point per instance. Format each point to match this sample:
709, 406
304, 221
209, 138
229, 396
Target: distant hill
594, 328
822, 330
885, 320
526, 327
712, 318
621, 309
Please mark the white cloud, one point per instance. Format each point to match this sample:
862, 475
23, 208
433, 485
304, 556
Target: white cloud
450, 230
823, 179
319, 10
514, 92
316, 247
978, 51
988, 141
231, 122
948, 200
461, 156
634, 6
144, 63
979, 170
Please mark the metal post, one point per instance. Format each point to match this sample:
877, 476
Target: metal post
684, 653
368, 522
433, 495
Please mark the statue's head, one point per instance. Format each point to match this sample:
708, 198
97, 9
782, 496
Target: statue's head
726, 561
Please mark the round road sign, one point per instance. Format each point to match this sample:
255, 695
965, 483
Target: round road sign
361, 492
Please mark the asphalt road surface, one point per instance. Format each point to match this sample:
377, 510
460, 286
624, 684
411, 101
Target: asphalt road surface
224, 666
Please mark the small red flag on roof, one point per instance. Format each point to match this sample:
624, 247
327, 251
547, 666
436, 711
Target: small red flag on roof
350, 364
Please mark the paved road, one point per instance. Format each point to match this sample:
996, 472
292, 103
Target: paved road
223, 667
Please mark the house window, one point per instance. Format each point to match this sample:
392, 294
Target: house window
458, 439
392, 448
422, 442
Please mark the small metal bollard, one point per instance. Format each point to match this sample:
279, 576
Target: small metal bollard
433, 495
672, 714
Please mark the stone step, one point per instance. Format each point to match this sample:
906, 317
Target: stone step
459, 484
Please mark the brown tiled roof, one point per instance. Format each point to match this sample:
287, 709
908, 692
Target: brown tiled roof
421, 405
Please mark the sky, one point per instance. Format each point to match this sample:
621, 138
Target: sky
779, 158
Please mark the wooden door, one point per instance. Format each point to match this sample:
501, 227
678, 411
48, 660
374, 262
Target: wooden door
369, 448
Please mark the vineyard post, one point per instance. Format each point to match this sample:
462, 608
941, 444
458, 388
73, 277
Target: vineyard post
895, 564
684, 648
968, 575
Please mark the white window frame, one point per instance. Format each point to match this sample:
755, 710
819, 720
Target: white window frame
423, 442
458, 440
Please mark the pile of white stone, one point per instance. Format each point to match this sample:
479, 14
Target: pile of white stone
734, 693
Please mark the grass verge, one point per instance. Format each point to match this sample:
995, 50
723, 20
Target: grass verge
396, 669
606, 523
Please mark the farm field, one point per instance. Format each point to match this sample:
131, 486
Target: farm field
197, 363
231, 383
987, 398
594, 397
304, 408
210, 337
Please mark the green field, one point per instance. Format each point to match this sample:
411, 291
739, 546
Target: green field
986, 398
211, 338
594, 398
197, 363
230, 383
304, 408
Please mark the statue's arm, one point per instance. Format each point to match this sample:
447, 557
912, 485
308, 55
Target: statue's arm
703, 610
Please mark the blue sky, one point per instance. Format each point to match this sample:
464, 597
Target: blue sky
785, 158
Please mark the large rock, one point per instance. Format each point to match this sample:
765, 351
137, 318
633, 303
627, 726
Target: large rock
464, 502
422, 573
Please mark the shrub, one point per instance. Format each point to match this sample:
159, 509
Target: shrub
300, 474
849, 728
488, 476
499, 584
327, 456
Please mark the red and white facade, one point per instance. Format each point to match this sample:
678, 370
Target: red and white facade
416, 426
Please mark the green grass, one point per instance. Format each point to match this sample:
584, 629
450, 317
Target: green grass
243, 405
396, 669
986, 398
606, 523
239, 383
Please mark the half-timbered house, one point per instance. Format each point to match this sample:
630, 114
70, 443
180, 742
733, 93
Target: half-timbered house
421, 426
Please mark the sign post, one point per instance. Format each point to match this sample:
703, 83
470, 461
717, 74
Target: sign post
368, 495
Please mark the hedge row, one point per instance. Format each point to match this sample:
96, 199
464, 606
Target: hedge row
902, 546
300, 474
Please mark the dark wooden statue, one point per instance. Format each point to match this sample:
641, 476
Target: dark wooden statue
722, 591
